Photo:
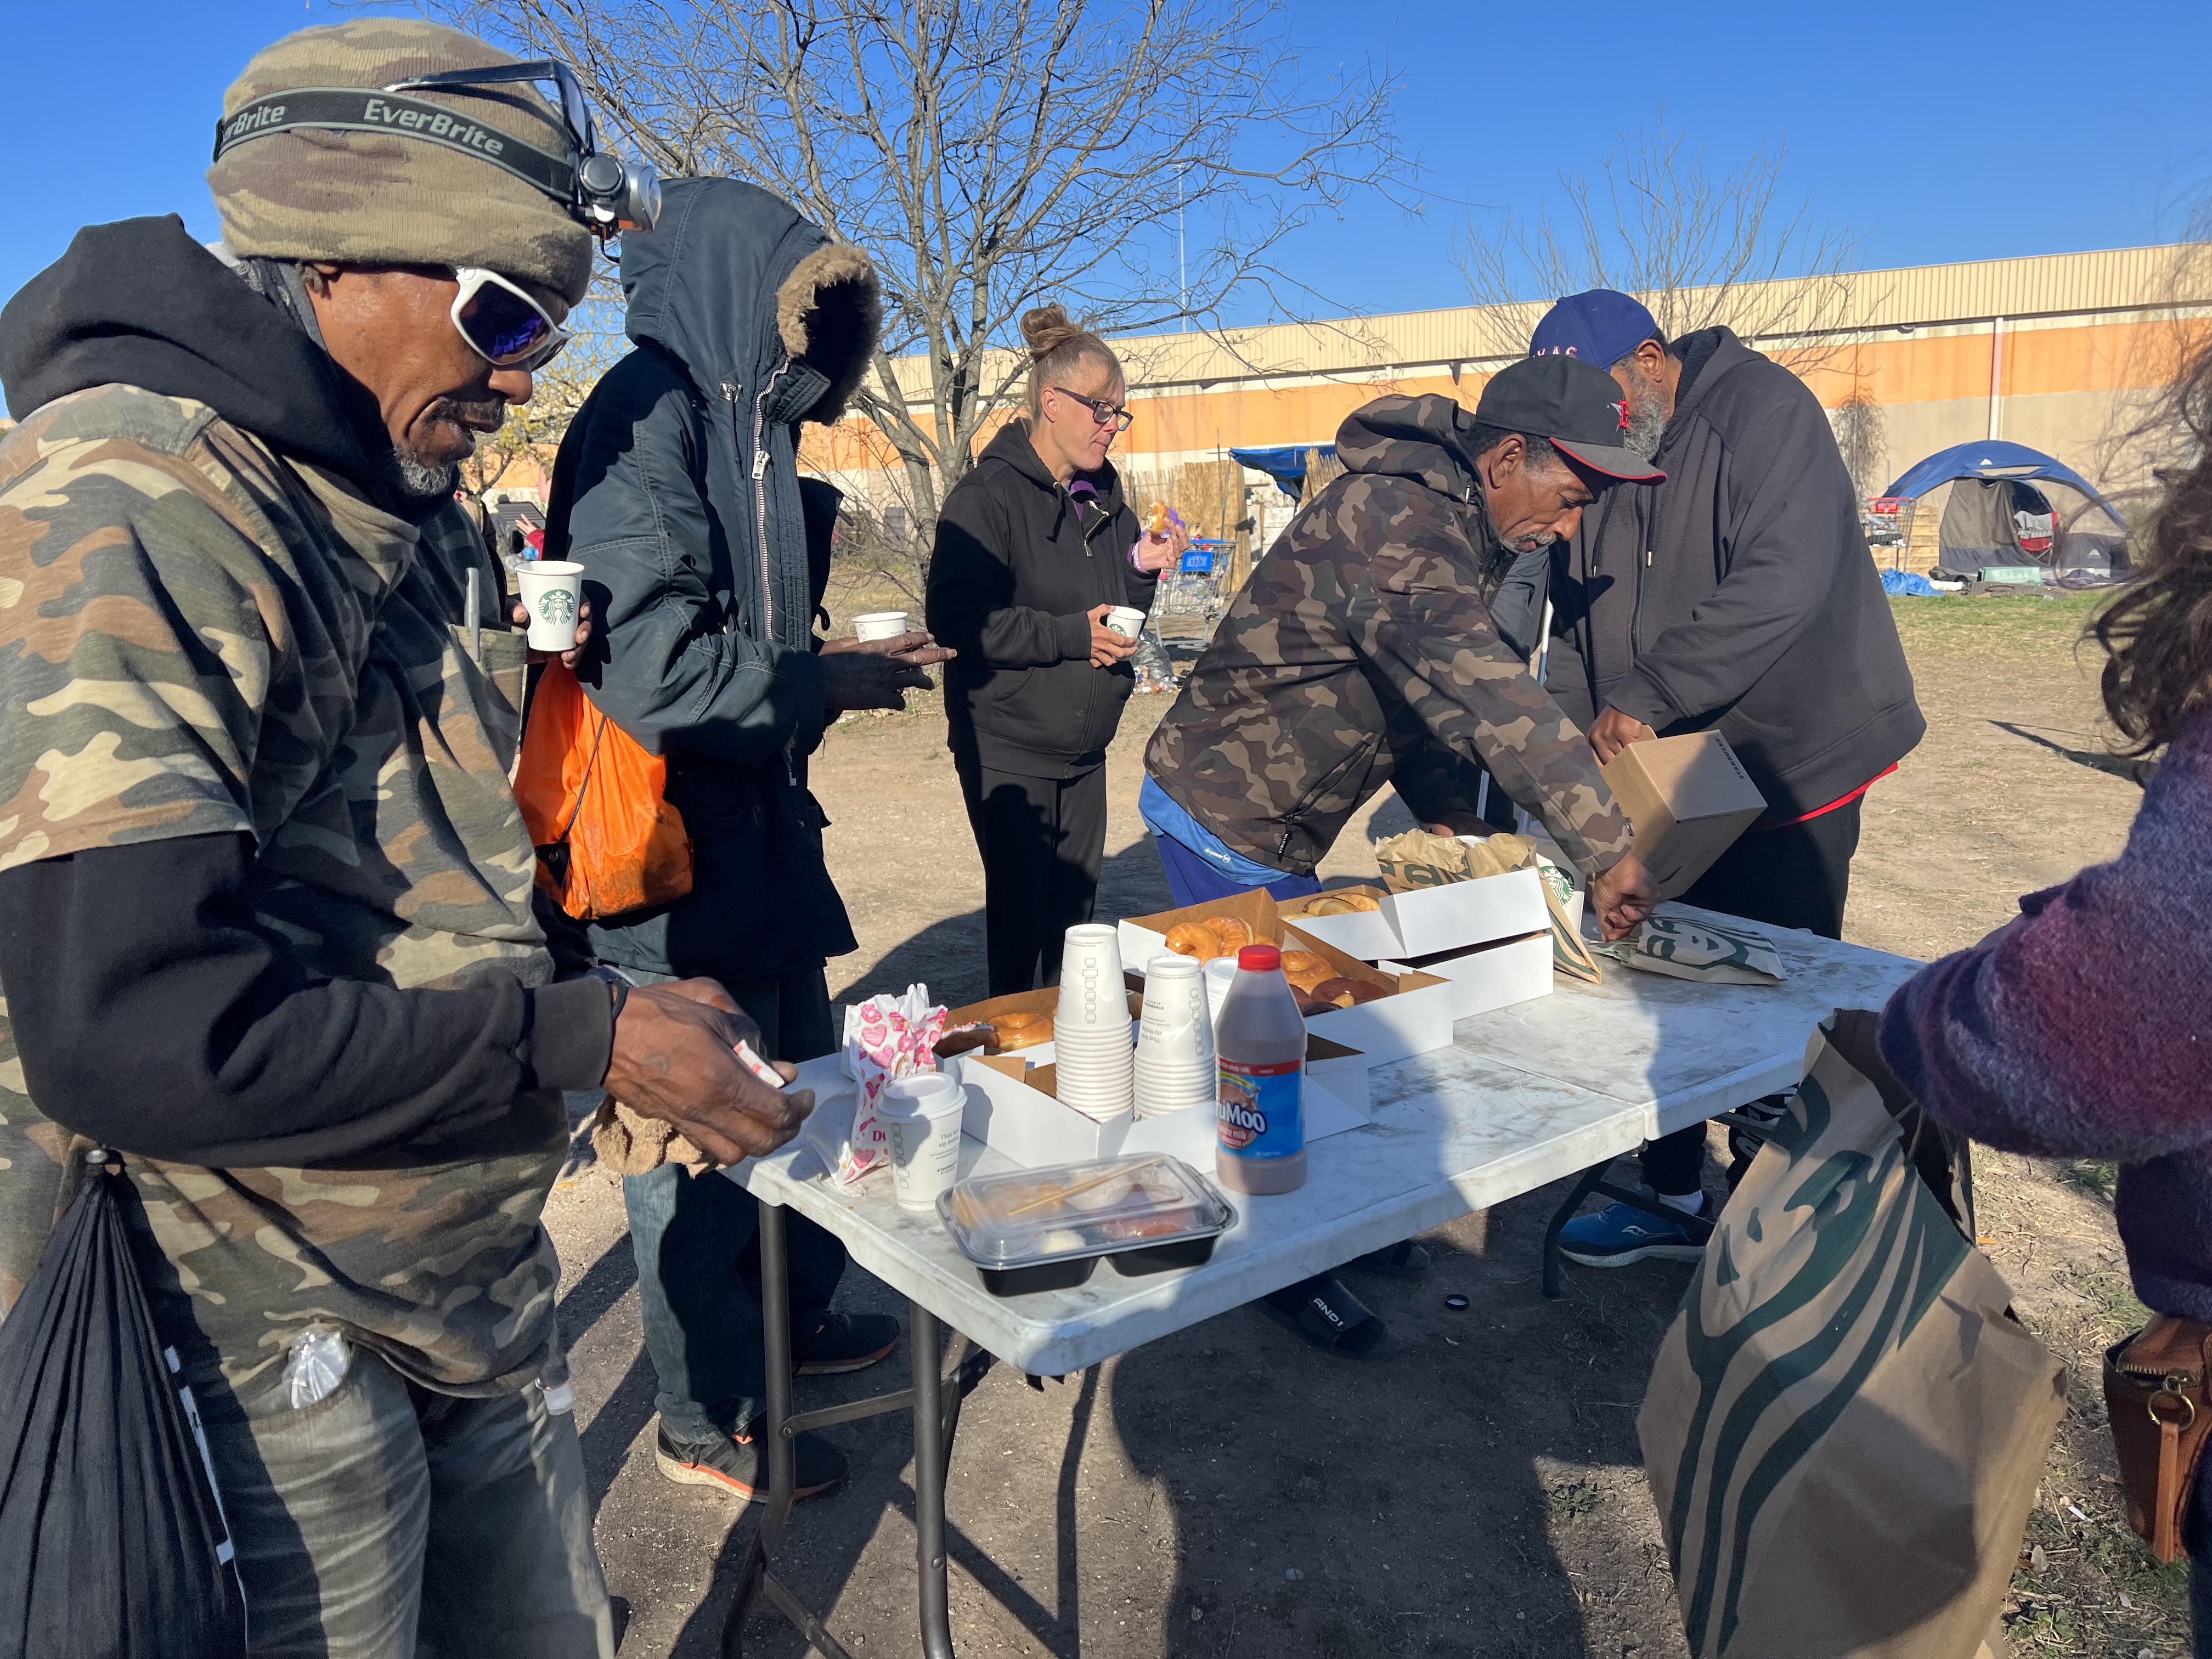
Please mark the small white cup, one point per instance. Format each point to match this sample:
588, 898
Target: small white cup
1091, 994
879, 625
552, 589
1218, 974
921, 1114
1125, 620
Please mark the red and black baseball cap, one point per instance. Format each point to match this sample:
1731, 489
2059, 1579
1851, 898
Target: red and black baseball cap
1577, 405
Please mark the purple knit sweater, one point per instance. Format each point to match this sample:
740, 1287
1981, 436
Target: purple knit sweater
2085, 1030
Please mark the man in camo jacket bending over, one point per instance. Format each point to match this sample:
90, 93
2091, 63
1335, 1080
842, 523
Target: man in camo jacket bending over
1374, 643
266, 927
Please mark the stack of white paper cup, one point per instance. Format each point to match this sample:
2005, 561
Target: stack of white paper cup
1091, 1031
1218, 974
921, 1114
1175, 1040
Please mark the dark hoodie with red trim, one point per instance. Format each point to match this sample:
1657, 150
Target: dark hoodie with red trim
1738, 595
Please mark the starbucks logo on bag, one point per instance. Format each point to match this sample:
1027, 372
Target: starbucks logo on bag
557, 605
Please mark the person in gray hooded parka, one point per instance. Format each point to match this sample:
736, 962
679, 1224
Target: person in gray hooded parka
677, 489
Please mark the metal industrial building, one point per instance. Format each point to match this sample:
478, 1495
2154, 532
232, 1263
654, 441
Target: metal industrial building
2065, 353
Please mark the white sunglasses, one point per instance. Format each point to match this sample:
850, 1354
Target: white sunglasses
502, 324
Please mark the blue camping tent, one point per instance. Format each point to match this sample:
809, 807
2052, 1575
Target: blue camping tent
1998, 512
1286, 465
1994, 460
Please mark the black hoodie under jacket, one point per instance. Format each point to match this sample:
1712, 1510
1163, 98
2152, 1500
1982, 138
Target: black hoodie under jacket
151, 950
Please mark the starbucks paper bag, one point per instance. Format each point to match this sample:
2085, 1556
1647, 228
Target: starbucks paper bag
1845, 1427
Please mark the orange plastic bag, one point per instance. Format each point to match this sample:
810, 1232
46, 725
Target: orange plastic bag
594, 801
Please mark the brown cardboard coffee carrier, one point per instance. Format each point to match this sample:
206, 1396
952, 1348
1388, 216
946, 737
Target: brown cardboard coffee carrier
1689, 797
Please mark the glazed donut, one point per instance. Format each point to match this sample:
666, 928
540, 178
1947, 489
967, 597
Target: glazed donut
1345, 992
1194, 938
1023, 1030
1296, 964
1234, 931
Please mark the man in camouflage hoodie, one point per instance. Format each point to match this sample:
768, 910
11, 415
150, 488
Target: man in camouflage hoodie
1364, 650
265, 926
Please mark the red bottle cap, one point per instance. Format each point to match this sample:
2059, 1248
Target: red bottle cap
1262, 956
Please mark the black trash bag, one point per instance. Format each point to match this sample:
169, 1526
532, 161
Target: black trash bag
113, 1544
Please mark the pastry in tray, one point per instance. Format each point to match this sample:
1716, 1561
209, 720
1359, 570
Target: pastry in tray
1195, 938
1344, 993
1235, 932
1023, 1030
1330, 904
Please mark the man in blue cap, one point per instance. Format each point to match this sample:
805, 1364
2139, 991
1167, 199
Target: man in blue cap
1738, 596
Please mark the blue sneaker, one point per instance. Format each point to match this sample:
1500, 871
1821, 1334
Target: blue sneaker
1621, 1234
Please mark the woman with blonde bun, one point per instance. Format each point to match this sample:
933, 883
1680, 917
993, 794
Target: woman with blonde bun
1035, 548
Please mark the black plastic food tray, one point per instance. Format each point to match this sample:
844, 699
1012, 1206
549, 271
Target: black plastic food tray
1065, 1275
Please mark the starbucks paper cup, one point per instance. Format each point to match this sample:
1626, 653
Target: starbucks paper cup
1125, 620
879, 625
551, 590
921, 1115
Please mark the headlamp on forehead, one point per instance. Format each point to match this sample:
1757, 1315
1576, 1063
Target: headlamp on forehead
603, 192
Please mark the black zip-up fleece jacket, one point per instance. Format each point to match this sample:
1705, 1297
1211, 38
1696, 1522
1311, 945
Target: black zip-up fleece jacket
1738, 595
1018, 566
677, 489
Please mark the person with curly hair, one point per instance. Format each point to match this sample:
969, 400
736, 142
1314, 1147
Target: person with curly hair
2077, 1030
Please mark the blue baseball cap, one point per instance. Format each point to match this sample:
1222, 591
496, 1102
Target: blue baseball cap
1601, 327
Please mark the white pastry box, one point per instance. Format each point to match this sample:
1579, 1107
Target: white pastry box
1012, 1109
1489, 939
1413, 1015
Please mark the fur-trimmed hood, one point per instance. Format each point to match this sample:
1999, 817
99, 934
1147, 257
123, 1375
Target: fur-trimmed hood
735, 285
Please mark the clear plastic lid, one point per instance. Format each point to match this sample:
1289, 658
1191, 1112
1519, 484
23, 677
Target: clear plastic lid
1024, 1218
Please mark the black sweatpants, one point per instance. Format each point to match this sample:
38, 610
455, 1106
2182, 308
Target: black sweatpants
1797, 876
1041, 841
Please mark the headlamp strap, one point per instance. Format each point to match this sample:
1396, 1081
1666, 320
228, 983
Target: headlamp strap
366, 109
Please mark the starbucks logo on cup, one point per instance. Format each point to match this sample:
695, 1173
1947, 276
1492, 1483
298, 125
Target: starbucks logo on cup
557, 605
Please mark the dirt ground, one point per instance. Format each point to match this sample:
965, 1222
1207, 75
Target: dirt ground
1231, 1493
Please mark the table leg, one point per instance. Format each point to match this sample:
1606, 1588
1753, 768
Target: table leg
782, 1453
932, 1453
1563, 1214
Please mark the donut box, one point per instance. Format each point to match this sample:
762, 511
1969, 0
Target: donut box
1413, 1015
1011, 1106
1489, 938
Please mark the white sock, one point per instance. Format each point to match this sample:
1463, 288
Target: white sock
1687, 1203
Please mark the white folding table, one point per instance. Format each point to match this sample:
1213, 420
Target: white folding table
1525, 1095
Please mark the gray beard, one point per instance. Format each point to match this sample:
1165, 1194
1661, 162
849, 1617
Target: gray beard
423, 484
1646, 424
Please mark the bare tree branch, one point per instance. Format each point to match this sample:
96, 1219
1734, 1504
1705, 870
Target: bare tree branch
1700, 249
991, 154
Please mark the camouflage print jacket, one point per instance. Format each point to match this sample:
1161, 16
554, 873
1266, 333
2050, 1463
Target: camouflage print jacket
1361, 653
199, 637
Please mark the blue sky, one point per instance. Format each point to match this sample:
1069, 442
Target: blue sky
1940, 131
